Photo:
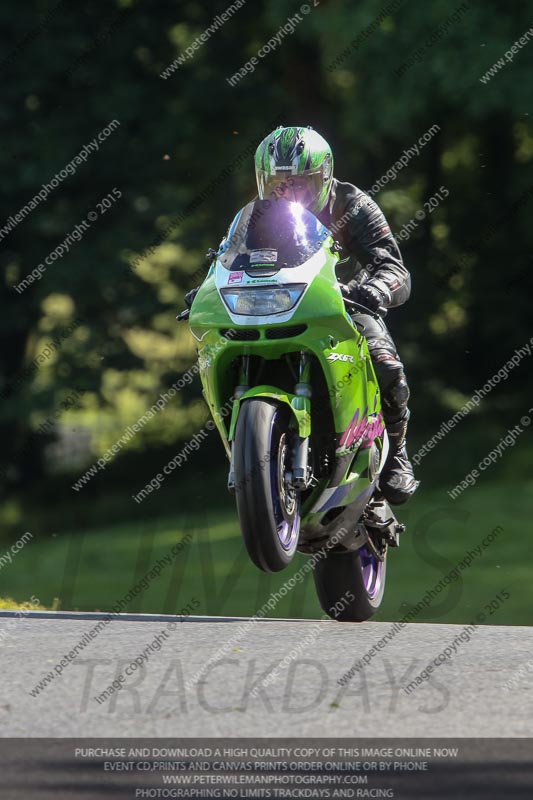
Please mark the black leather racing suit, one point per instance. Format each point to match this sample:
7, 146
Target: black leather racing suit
370, 254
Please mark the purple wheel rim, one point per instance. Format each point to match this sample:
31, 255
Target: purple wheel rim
372, 570
288, 532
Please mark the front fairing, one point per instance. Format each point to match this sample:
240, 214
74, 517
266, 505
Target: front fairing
318, 323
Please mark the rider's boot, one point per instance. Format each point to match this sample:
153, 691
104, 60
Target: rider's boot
397, 481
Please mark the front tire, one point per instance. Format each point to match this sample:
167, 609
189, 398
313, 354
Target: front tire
350, 586
268, 507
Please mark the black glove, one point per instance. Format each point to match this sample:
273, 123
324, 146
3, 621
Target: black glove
366, 294
189, 297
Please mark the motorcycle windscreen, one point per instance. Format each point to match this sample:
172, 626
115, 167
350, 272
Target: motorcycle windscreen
267, 235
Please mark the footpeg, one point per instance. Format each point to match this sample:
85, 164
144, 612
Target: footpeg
379, 519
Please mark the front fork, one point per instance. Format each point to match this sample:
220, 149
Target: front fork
299, 477
243, 386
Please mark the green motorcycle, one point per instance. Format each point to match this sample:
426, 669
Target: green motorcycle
305, 440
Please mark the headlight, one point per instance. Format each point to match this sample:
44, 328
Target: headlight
259, 301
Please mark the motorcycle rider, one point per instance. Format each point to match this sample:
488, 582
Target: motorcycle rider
296, 163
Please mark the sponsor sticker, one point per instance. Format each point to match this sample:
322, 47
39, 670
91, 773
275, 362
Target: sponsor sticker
263, 257
235, 277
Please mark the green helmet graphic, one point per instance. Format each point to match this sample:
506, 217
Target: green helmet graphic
296, 164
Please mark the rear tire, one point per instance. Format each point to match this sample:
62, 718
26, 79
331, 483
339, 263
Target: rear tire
350, 586
268, 508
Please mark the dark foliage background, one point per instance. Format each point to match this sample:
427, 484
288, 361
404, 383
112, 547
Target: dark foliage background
68, 70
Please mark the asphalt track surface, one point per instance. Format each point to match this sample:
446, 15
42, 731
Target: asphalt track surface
174, 694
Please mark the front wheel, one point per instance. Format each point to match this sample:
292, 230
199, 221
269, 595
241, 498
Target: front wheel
267, 504
350, 586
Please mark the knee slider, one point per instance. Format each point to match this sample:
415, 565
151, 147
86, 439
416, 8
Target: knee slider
396, 395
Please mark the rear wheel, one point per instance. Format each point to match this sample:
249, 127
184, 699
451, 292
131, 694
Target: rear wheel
350, 586
268, 506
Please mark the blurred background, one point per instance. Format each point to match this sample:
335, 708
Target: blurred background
90, 342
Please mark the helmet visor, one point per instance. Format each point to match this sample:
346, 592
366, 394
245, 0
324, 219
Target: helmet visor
303, 189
